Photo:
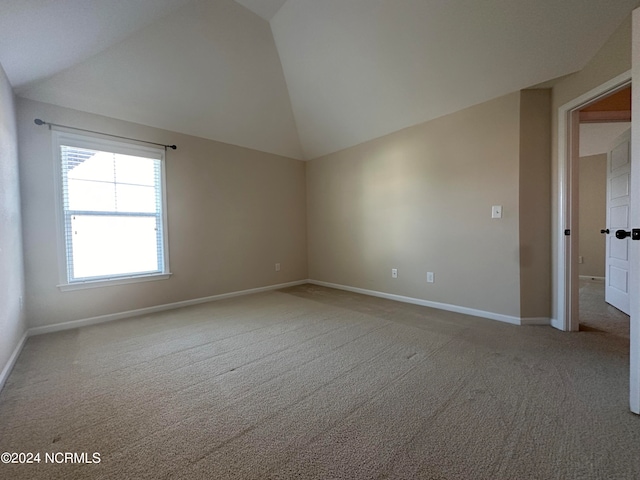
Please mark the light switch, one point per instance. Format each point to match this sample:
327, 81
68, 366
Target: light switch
496, 211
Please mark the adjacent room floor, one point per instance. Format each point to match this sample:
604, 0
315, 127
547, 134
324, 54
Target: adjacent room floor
310, 382
598, 316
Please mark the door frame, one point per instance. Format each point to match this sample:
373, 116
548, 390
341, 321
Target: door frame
565, 293
634, 255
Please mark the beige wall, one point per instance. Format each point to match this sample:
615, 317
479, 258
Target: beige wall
613, 59
420, 200
232, 214
535, 203
12, 323
593, 198
417, 200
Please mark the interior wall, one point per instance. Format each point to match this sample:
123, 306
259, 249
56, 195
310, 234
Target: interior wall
613, 59
596, 138
593, 198
535, 203
232, 214
12, 322
420, 200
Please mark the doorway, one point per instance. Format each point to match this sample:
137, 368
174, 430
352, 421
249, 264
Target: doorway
565, 308
566, 276
601, 124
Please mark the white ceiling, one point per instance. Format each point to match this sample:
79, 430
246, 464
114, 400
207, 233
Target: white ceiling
265, 8
210, 69
360, 69
39, 38
319, 77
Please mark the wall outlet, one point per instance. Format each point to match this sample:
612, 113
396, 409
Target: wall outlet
21, 300
430, 277
394, 273
580, 260
277, 267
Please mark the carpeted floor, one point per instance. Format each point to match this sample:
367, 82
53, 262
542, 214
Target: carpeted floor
314, 383
598, 316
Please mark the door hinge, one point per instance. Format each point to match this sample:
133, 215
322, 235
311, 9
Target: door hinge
567, 232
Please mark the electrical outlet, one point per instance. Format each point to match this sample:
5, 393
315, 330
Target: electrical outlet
277, 267
21, 300
430, 278
394, 273
580, 260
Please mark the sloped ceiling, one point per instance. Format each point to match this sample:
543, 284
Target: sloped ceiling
300, 78
209, 69
360, 69
39, 38
265, 8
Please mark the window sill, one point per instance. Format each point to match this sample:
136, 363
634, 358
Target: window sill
65, 287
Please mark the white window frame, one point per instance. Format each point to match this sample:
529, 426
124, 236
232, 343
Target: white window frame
95, 142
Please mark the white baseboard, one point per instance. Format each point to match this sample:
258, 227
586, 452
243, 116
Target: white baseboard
12, 359
440, 306
157, 308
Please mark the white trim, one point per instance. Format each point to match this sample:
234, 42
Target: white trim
12, 359
113, 281
61, 136
634, 257
555, 323
562, 319
157, 308
440, 306
109, 143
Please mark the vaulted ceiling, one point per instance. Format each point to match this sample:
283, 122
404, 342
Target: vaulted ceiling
300, 78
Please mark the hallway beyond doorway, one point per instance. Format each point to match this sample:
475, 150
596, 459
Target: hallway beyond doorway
597, 315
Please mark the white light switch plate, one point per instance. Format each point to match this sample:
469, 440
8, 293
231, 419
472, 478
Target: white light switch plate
496, 211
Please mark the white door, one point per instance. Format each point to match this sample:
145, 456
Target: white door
618, 205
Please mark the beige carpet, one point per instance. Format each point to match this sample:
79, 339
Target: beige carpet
314, 383
598, 316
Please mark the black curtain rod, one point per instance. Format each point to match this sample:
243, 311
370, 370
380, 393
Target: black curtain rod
37, 121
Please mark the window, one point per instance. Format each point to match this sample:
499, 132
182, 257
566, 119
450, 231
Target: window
112, 225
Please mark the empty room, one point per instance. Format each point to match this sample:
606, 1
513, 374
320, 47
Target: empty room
276, 239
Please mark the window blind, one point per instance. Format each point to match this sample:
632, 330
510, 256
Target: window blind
113, 219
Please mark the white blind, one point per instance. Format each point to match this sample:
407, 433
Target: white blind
113, 219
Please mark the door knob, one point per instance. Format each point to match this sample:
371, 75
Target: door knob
604, 231
622, 234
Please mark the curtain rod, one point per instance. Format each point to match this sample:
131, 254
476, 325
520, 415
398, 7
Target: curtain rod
37, 121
